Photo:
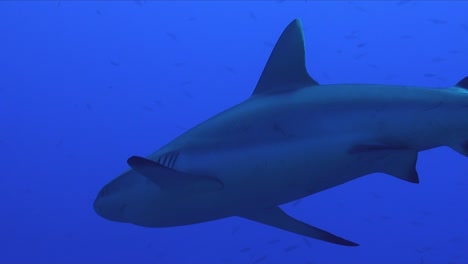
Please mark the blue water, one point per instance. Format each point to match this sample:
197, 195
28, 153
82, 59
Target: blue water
84, 85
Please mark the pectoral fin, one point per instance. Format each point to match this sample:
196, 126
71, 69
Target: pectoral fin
172, 180
278, 218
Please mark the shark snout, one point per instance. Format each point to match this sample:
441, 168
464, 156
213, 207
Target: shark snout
112, 202
110, 208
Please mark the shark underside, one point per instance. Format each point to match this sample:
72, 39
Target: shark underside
290, 139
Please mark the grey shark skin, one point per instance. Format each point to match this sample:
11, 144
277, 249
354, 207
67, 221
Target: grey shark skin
290, 139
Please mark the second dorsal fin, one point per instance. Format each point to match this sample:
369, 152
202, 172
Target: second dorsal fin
463, 83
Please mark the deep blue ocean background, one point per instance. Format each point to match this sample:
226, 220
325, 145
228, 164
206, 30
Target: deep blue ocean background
84, 85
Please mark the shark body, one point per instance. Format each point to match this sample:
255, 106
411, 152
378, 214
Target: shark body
290, 139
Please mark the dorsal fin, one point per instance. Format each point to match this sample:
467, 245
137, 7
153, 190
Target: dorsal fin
286, 70
463, 83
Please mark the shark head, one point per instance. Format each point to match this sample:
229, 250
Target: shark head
150, 194
119, 199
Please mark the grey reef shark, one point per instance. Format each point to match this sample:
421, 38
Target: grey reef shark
290, 139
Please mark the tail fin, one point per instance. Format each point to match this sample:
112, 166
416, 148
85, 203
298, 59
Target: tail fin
463, 147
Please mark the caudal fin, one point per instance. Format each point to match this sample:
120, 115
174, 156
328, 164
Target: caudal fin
462, 147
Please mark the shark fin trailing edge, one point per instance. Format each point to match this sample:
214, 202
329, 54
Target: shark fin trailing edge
276, 217
171, 180
397, 161
286, 68
461, 148
403, 165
